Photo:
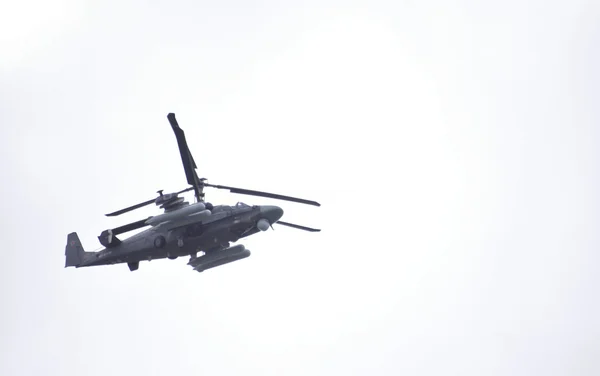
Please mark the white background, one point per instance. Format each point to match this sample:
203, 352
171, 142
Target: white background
451, 144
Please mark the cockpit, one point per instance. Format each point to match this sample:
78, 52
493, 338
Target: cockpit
221, 208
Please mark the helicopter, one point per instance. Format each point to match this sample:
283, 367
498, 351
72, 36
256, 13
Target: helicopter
201, 230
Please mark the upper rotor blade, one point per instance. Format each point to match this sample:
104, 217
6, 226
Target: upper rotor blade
189, 165
298, 226
185, 190
128, 209
263, 194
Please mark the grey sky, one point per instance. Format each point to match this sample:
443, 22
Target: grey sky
453, 146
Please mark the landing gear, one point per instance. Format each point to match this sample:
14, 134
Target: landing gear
133, 266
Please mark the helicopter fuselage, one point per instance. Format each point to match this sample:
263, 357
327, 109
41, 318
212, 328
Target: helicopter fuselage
181, 236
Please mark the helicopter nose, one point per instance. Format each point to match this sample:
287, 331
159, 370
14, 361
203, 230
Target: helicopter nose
271, 213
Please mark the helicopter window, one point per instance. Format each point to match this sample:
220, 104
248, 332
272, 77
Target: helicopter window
241, 204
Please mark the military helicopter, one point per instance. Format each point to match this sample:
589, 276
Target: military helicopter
200, 230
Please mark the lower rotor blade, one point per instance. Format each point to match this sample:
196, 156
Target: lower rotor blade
141, 204
130, 226
137, 206
298, 226
263, 194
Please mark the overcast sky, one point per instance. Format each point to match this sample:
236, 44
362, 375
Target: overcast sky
452, 144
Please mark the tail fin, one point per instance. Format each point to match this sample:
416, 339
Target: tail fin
74, 252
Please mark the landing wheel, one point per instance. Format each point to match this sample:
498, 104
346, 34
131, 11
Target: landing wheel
133, 266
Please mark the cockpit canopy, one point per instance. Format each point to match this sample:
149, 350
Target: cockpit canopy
220, 208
